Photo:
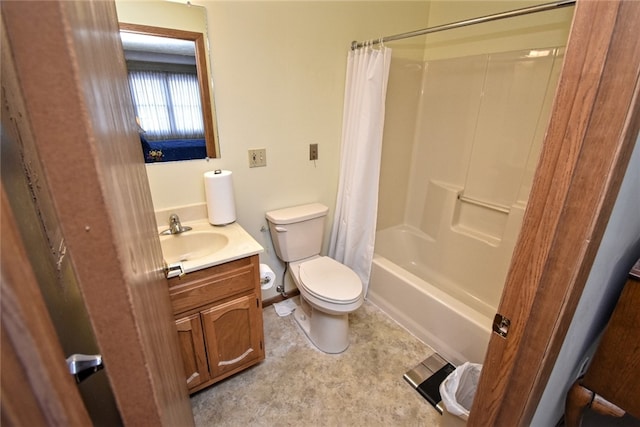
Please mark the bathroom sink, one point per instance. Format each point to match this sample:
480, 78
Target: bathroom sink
204, 246
191, 245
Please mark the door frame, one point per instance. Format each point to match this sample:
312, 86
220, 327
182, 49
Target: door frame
592, 131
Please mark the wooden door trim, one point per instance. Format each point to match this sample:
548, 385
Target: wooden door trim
592, 132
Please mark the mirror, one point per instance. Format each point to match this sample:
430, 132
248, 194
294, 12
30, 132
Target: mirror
169, 79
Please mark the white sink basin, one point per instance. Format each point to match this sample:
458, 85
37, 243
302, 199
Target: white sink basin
191, 245
205, 246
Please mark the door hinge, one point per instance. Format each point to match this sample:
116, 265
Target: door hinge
501, 325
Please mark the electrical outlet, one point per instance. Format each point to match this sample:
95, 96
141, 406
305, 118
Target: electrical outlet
257, 158
313, 151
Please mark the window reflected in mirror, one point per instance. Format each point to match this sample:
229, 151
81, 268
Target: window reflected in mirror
168, 83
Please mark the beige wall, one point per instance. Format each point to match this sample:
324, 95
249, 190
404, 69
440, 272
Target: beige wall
279, 72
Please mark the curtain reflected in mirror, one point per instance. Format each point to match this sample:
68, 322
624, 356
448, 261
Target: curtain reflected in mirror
168, 84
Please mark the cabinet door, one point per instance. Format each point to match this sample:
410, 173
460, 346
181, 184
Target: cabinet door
233, 335
194, 356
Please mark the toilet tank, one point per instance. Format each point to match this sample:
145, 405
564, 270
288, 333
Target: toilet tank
297, 232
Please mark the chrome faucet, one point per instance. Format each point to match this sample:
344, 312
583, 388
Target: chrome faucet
174, 226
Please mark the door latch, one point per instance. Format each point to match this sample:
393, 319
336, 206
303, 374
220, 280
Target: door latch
501, 325
82, 366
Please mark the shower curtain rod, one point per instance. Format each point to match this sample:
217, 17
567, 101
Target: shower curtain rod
466, 22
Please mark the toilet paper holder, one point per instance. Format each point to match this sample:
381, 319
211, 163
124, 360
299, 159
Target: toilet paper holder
267, 277
265, 280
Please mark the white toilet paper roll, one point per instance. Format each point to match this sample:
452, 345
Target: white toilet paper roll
267, 277
221, 205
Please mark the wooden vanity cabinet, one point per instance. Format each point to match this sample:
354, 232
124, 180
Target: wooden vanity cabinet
218, 314
192, 348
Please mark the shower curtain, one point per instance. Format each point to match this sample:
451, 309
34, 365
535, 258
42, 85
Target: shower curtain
354, 222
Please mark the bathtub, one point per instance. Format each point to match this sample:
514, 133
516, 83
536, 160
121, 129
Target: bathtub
441, 314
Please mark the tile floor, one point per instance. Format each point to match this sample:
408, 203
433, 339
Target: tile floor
298, 385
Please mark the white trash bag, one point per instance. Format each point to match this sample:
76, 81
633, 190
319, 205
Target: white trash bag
459, 388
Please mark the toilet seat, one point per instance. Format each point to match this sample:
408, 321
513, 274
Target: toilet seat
330, 281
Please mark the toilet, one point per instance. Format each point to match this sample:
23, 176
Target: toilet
329, 290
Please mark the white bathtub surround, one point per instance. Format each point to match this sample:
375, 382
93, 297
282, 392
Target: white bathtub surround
441, 261
438, 311
353, 233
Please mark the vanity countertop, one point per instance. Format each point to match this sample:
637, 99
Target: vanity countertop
240, 245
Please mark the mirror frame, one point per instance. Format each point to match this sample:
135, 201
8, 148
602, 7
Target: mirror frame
201, 67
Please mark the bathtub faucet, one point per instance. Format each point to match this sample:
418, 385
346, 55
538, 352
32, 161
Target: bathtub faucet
174, 226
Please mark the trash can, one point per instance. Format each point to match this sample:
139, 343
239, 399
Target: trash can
457, 392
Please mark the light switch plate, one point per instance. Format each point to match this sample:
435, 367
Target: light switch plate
257, 157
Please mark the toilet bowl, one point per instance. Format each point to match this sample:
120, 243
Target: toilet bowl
329, 290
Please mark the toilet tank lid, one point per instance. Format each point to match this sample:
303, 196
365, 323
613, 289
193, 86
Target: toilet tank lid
297, 213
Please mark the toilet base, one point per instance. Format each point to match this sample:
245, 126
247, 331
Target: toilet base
328, 332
